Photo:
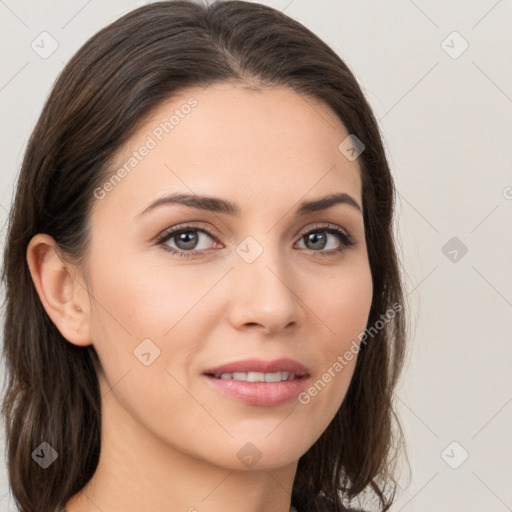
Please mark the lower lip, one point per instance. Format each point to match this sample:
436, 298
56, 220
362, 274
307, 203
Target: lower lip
264, 394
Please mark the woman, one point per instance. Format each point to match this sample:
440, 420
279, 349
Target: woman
204, 310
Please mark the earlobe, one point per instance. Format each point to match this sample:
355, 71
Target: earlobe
63, 297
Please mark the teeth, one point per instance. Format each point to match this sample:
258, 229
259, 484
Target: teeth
257, 376
275, 377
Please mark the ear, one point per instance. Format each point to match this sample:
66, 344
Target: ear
60, 288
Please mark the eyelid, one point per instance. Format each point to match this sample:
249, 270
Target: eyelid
324, 226
200, 226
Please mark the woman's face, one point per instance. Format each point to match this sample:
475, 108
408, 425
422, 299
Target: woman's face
241, 288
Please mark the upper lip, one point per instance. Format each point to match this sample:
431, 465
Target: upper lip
260, 365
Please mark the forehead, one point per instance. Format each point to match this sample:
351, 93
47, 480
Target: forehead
227, 139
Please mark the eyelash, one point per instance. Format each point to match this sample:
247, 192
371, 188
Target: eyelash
343, 236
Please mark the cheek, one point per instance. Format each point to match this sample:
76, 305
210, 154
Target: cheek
345, 307
344, 312
139, 300
146, 312
146, 333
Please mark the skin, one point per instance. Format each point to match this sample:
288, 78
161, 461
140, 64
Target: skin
169, 440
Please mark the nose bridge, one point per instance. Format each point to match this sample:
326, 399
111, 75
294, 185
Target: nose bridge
263, 284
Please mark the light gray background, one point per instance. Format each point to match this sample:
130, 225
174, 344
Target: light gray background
447, 126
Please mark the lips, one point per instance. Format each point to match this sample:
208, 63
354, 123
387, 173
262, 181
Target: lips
259, 382
260, 366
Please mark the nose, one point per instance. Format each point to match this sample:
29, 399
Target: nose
264, 294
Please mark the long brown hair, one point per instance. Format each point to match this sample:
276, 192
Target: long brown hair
116, 79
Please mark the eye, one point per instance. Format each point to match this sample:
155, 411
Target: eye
186, 240
318, 238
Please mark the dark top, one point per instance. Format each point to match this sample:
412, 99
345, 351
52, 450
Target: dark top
348, 510
297, 509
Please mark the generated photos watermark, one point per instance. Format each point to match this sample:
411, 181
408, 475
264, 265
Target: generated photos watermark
342, 360
157, 135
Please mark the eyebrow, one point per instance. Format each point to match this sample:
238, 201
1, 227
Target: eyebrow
215, 204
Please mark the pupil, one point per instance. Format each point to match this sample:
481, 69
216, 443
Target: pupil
314, 238
188, 244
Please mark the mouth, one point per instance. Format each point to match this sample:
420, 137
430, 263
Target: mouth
256, 376
258, 382
256, 367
